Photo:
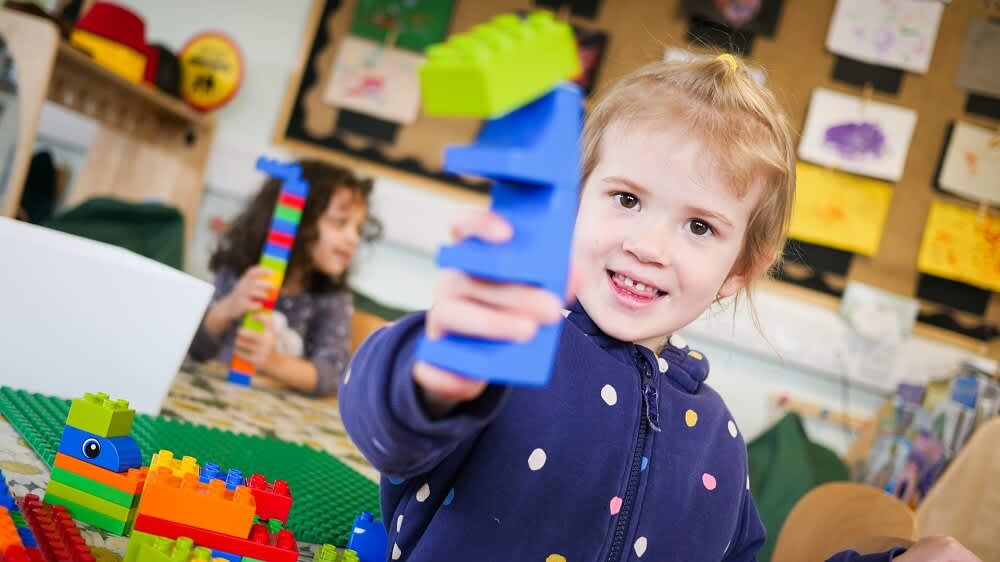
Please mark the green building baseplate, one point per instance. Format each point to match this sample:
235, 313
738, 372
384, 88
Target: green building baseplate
327, 494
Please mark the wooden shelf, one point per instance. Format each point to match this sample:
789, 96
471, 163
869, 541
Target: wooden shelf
73, 64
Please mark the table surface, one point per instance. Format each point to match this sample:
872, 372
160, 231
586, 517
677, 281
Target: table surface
200, 394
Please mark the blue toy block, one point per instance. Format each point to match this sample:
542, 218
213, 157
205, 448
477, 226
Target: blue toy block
237, 377
368, 538
277, 251
209, 471
27, 537
6, 498
117, 454
284, 227
288, 171
533, 153
234, 479
298, 188
226, 556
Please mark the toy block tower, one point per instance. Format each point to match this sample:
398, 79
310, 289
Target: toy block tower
277, 249
213, 509
33, 532
98, 471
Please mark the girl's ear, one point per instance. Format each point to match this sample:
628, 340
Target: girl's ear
739, 280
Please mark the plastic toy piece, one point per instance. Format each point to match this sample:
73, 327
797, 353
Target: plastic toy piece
189, 502
98, 414
127, 482
329, 553
498, 66
261, 545
93, 488
54, 532
87, 515
284, 226
84, 499
368, 539
7, 500
179, 468
117, 454
274, 501
533, 154
143, 547
225, 556
8, 532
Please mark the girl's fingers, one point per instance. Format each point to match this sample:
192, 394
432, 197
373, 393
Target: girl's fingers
483, 224
532, 303
445, 385
468, 318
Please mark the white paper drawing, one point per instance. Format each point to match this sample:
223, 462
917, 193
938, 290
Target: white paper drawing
971, 166
896, 33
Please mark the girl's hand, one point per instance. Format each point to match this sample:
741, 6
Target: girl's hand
256, 347
938, 549
253, 288
468, 306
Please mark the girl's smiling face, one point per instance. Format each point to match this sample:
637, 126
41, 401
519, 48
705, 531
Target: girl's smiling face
657, 233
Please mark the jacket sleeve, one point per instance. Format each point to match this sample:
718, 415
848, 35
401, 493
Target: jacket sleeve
382, 411
750, 533
205, 346
852, 556
328, 343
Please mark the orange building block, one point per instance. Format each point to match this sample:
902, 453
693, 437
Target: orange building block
8, 531
189, 502
129, 482
242, 365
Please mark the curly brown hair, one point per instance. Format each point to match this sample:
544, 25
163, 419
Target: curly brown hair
240, 247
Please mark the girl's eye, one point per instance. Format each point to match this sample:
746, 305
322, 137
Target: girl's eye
700, 228
627, 200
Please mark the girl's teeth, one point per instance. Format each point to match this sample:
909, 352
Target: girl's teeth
640, 287
628, 282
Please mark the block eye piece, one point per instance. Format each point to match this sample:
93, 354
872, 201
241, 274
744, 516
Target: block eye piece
91, 448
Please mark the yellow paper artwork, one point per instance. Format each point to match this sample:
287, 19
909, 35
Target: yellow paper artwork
962, 245
838, 210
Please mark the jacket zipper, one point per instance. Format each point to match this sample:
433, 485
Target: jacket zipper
649, 419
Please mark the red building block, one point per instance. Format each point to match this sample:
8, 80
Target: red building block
261, 545
59, 539
274, 501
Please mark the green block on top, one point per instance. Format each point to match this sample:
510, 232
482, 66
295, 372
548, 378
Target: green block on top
498, 66
100, 415
286, 213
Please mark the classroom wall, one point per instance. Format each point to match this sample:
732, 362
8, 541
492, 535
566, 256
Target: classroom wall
400, 271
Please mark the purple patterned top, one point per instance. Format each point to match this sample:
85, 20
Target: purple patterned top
313, 326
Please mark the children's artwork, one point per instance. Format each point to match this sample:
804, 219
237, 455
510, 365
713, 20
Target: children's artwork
674, 54
962, 245
371, 78
839, 210
977, 71
897, 33
971, 166
408, 24
757, 16
857, 135
590, 45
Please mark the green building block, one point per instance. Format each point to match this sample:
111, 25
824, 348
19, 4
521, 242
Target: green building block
100, 415
286, 213
251, 323
87, 515
102, 491
498, 66
84, 499
329, 553
144, 547
274, 264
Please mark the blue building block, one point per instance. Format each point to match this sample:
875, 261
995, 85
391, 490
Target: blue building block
117, 454
226, 556
288, 171
27, 537
368, 538
237, 377
6, 498
277, 251
533, 154
284, 227
209, 471
234, 479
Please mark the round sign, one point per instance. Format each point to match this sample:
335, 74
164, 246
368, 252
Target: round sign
211, 70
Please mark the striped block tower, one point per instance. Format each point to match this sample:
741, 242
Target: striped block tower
277, 249
98, 473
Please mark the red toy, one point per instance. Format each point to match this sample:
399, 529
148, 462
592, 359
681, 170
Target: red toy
59, 539
274, 501
262, 545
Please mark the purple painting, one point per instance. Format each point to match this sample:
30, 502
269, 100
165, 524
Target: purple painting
856, 140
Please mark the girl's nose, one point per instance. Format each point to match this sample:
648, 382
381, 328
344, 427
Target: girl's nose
648, 248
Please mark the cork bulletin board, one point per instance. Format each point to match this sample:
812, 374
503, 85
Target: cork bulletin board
792, 53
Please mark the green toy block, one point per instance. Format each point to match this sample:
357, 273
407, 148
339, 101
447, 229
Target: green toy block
251, 323
87, 515
100, 415
498, 66
286, 213
248, 559
274, 264
144, 547
329, 553
102, 491
84, 499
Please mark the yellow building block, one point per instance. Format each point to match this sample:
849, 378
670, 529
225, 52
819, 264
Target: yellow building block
120, 59
498, 66
179, 468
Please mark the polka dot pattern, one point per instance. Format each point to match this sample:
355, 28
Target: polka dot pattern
696, 355
450, 497
555, 558
748, 481
396, 481
645, 463
708, 481
347, 376
616, 505
396, 553
662, 364
639, 546
537, 459
733, 432
691, 418
609, 395
399, 522
678, 341
423, 493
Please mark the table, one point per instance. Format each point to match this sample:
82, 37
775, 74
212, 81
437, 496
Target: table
200, 394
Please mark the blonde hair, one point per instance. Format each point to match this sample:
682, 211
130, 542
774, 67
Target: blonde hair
738, 120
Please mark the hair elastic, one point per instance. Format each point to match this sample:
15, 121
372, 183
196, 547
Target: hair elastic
733, 63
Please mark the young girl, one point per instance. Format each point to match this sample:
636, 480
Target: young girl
307, 341
688, 177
